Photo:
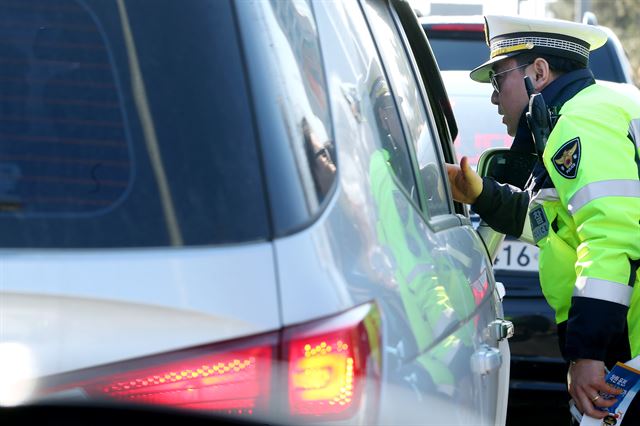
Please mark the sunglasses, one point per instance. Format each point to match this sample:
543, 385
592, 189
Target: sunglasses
494, 80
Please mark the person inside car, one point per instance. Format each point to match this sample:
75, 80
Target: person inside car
581, 205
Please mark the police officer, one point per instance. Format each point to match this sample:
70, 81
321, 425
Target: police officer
582, 202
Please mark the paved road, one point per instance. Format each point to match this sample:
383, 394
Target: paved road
529, 409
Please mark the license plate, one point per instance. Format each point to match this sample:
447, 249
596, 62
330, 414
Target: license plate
517, 256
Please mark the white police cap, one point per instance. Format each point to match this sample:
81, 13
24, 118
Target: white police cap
508, 36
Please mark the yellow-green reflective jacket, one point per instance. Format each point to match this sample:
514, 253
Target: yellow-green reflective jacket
591, 255
583, 210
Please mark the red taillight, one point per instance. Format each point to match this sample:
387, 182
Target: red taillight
322, 376
232, 378
231, 381
324, 365
328, 364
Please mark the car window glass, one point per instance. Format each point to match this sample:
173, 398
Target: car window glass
458, 54
479, 125
604, 63
371, 103
295, 34
121, 131
411, 104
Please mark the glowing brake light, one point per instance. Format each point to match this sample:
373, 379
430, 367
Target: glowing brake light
328, 363
324, 375
316, 370
232, 378
231, 382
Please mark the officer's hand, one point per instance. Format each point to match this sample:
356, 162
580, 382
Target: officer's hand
586, 380
466, 185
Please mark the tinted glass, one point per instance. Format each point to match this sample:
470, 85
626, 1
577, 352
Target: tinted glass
301, 68
605, 64
404, 84
480, 126
120, 128
387, 105
458, 52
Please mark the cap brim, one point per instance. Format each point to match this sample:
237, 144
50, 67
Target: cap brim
481, 73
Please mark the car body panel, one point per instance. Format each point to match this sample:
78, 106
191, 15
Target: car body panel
196, 296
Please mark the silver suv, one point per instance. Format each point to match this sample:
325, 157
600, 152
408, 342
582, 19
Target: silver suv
239, 208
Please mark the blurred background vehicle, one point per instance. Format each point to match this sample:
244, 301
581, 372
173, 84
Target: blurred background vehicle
538, 371
238, 208
459, 44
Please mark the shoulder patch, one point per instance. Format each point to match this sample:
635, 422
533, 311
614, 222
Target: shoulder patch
567, 159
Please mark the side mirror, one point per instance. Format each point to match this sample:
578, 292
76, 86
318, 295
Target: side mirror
507, 166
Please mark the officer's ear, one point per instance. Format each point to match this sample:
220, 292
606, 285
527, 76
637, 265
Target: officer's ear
542, 74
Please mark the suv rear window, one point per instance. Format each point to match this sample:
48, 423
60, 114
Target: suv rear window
125, 129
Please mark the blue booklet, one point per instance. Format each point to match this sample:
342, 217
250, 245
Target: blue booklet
624, 377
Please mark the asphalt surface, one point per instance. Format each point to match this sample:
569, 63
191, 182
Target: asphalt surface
537, 408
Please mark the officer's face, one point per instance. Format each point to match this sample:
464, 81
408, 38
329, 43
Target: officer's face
512, 98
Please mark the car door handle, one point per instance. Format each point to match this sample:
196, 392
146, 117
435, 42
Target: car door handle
501, 329
485, 360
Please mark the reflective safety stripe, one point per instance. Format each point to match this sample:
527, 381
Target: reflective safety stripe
546, 194
634, 131
603, 290
605, 188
